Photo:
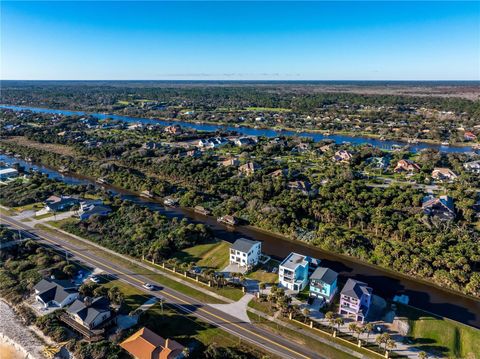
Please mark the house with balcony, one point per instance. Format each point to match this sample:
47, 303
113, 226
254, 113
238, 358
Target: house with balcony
245, 253
443, 174
294, 271
91, 312
355, 299
323, 284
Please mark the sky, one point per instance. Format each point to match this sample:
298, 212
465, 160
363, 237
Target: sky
121, 40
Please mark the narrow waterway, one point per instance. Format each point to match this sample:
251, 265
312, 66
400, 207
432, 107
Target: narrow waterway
249, 131
384, 283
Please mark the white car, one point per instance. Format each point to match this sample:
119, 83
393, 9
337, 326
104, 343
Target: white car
148, 286
95, 279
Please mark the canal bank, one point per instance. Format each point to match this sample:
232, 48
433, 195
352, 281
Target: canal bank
250, 131
385, 283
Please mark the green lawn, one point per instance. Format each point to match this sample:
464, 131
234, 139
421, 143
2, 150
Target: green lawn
45, 215
297, 337
133, 296
211, 255
441, 336
264, 307
33, 206
60, 223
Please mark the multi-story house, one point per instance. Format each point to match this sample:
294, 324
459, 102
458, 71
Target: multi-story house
55, 293
293, 272
245, 253
323, 284
355, 299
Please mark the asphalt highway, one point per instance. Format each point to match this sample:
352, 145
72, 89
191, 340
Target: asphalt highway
246, 331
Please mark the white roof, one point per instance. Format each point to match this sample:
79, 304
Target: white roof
8, 170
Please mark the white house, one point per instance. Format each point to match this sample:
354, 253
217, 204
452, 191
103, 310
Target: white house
355, 299
6, 173
55, 293
245, 253
473, 166
90, 312
293, 272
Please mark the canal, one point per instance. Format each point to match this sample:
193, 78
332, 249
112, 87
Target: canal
249, 131
385, 283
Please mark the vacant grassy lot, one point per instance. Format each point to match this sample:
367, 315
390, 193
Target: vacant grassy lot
211, 255
264, 273
441, 336
49, 147
268, 109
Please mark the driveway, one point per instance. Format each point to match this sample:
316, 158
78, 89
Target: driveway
237, 309
234, 268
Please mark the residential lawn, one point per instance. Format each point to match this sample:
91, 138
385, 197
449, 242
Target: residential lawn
133, 296
60, 223
441, 336
217, 257
264, 307
304, 294
195, 253
29, 207
295, 336
263, 276
45, 215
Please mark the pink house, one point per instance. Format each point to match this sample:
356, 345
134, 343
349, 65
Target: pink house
355, 299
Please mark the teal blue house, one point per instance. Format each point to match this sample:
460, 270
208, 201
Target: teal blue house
323, 284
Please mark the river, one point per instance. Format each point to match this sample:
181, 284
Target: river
385, 283
249, 131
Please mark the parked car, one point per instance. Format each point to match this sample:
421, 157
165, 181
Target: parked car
95, 279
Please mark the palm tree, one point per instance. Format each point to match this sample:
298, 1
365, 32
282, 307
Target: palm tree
389, 345
353, 327
330, 317
338, 322
368, 329
422, 355
306, 313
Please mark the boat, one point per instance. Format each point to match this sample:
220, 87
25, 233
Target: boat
101, 180
228, 220
382, 138
170, 202
147, 194
201, 210
63, 169
28, 159
445, 143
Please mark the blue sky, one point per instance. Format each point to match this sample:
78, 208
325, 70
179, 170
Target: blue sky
241, 40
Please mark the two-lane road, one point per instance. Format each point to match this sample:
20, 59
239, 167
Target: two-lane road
246, 331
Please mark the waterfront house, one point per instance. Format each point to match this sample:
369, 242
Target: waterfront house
443, 174
214, 142
92, 208
279, 173
342, 156
323, 283
441, 207
150, 145
246, 253
55, 293
293, 272
230, 162
473, 166
469, 136
355, 299
406, 166
90, 313
7, 173
378, 162
248, 168
244, 141
145, 344
301, 186
173, 130
202, 210
62, 203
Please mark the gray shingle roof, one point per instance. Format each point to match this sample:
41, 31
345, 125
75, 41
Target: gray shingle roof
325, 275
89, 313
243, 245
56, 290
355, 289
